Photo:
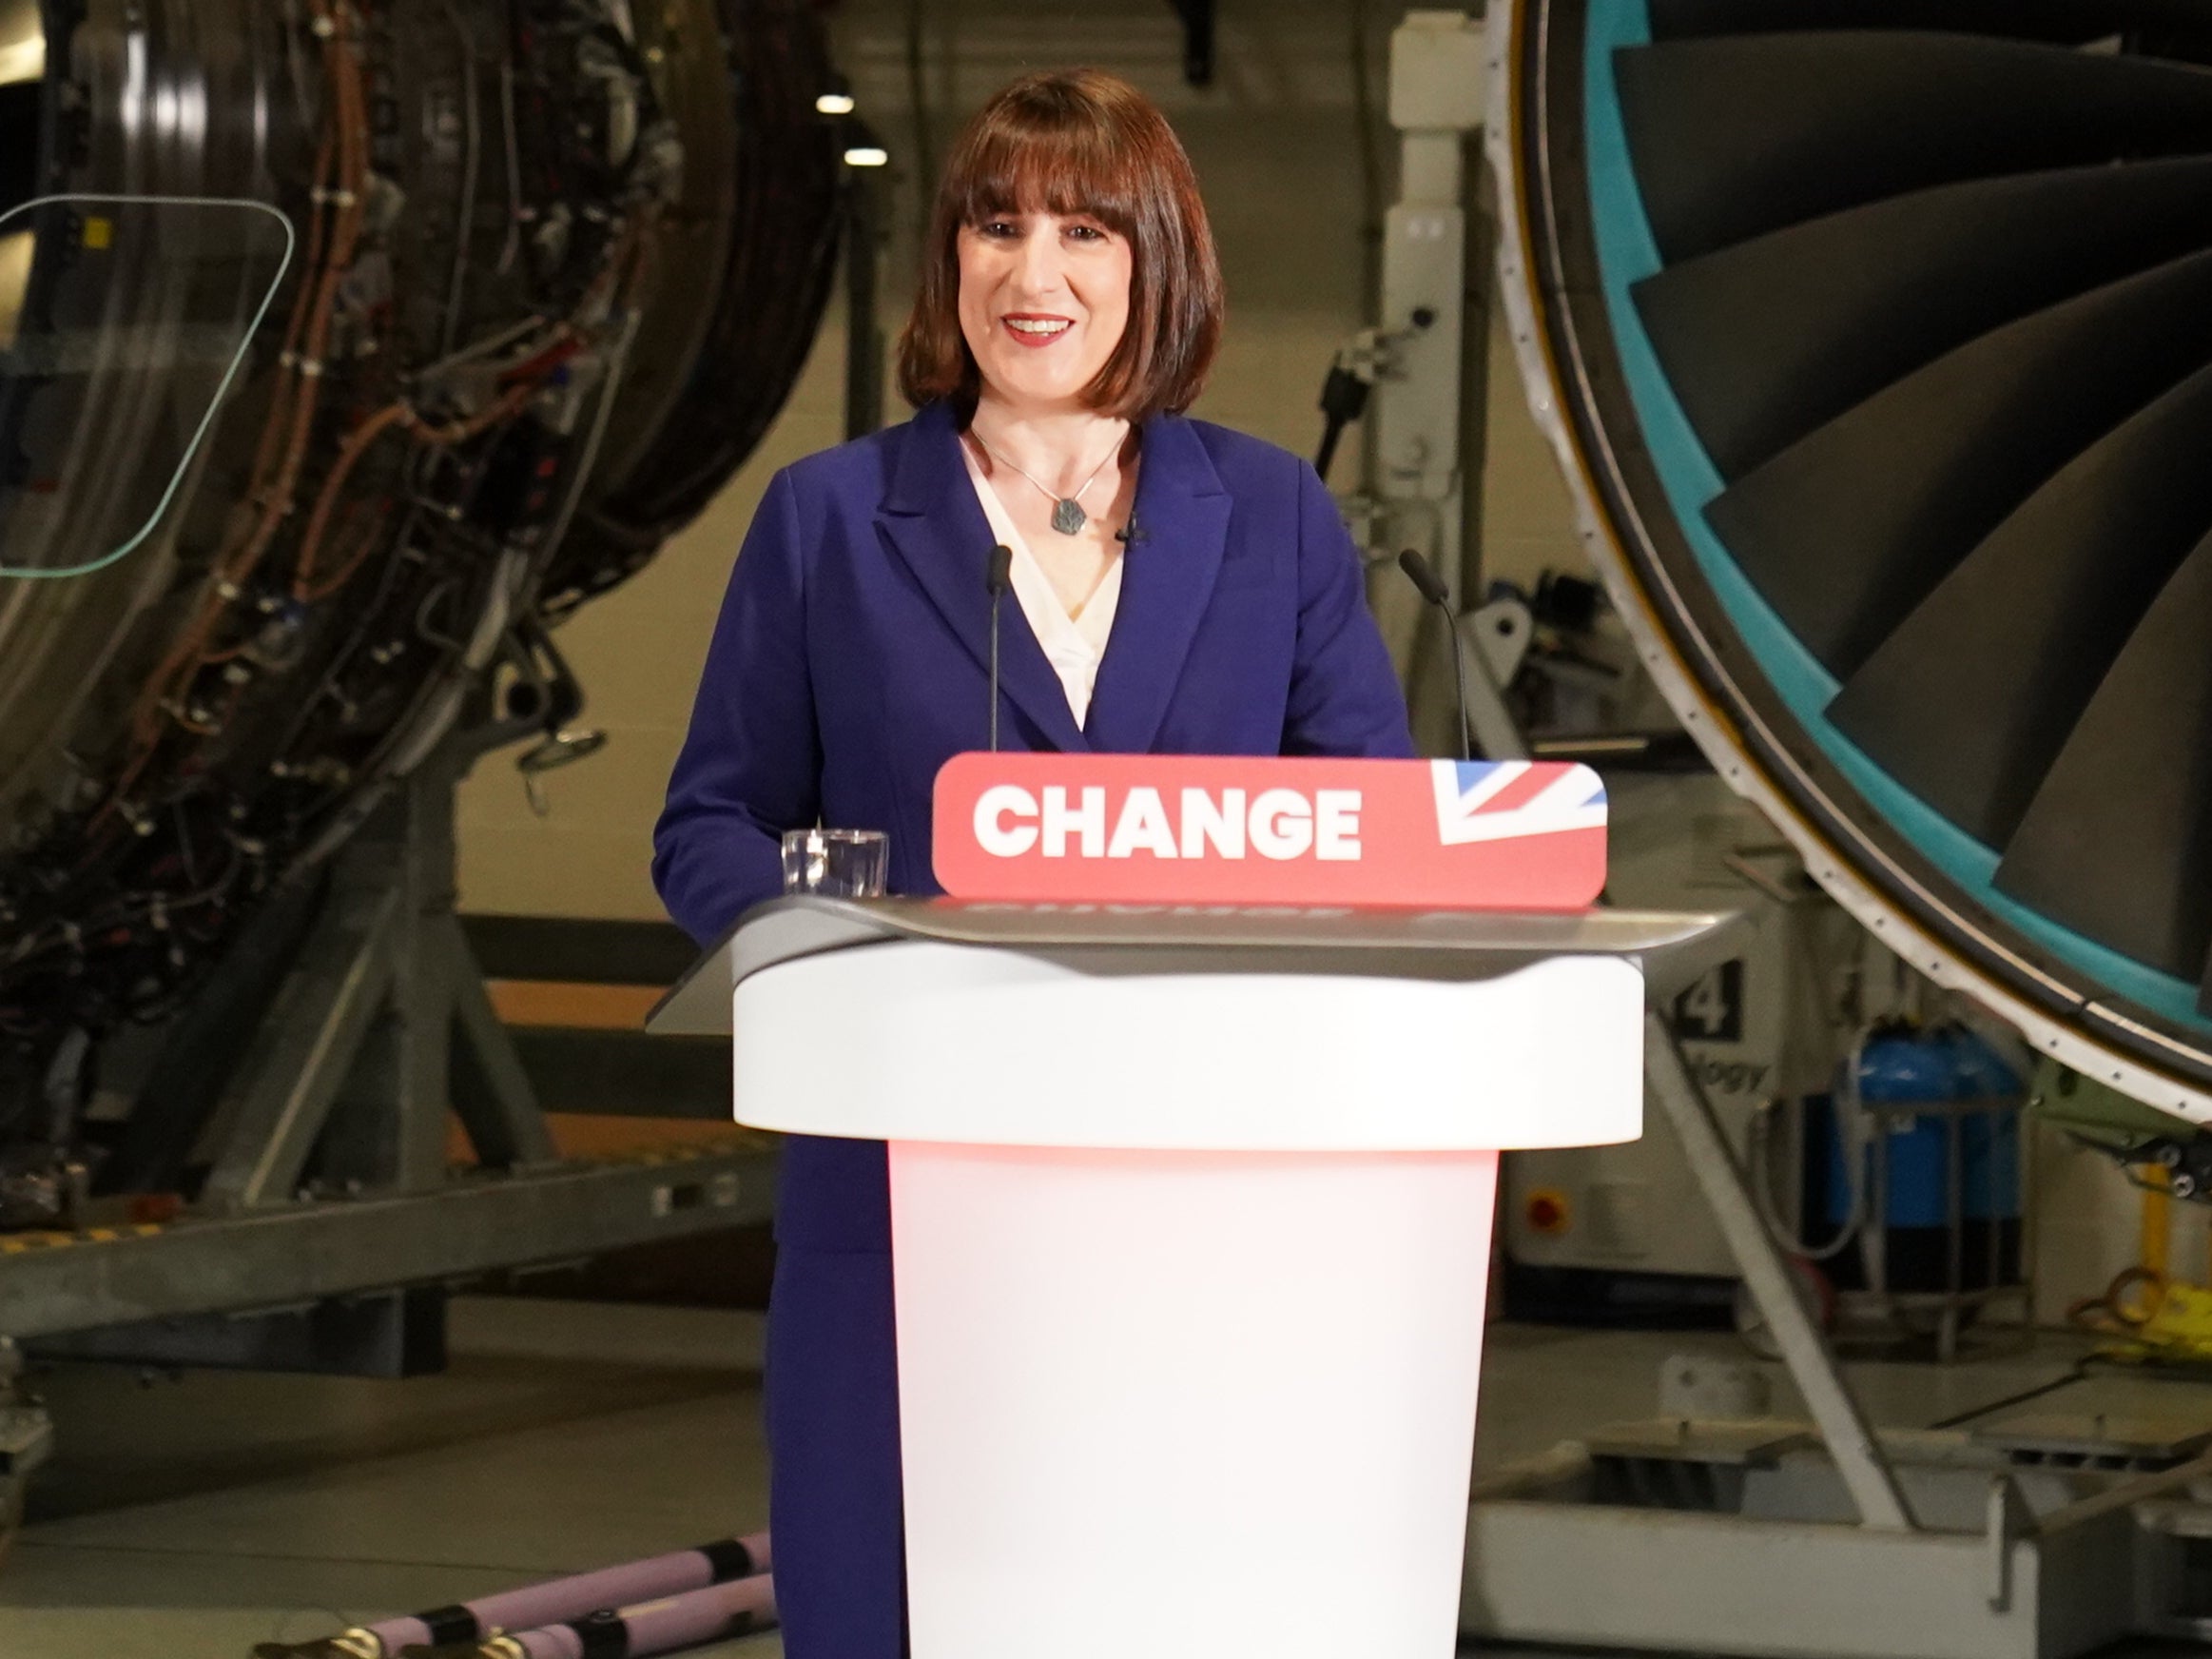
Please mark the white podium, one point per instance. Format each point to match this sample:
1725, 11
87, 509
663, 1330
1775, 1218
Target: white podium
1190, 1220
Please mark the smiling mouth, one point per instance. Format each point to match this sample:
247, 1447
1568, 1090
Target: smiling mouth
1037, 327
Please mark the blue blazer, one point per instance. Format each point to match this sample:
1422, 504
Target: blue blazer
851, 661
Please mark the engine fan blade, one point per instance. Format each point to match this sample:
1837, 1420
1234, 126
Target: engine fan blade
1846, 531
1969, 702
2117, 843
1957, 463
1737, 136
1771, 339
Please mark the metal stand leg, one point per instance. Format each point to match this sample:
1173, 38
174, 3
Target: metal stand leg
352, 1066
1866, 1472
492, 1096
301, 1059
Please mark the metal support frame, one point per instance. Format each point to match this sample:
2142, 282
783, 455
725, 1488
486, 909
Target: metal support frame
326, 1149
329, 1224
1859, 1458
1764, 1538
292, 1256
348, 1077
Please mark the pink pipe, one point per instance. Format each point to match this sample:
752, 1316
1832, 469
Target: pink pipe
553, 1600
660, 1627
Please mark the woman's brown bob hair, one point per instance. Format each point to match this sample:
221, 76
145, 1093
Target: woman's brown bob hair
1077, 142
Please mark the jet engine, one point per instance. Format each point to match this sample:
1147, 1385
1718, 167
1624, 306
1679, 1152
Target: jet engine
346, 346
1875, 340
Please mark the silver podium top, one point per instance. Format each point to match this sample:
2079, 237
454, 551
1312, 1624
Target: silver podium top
1677, 946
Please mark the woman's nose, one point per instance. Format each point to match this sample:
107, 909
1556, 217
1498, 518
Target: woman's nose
1038, 265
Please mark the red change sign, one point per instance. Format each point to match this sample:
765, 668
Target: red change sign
1148, 829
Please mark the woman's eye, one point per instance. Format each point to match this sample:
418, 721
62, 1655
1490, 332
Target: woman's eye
1086, 233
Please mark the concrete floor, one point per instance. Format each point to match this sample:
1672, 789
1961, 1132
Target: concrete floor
196, 1517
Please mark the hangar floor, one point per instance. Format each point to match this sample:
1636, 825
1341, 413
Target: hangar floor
196, 1517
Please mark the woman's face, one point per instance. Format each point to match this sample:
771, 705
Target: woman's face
1043, 303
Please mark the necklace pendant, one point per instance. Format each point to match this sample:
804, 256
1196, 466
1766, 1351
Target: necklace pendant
1068, 518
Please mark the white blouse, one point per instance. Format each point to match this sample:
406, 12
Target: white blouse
1073, 645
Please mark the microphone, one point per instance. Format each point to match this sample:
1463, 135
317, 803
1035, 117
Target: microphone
1433, 591
996, 580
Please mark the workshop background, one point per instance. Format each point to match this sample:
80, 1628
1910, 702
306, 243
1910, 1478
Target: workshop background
603, 1406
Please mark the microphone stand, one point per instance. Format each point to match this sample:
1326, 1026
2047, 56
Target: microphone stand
1434, 592
996, 580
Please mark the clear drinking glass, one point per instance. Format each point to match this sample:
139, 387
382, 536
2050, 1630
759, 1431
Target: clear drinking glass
838, 864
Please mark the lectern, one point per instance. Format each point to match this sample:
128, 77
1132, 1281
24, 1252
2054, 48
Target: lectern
1191, 1225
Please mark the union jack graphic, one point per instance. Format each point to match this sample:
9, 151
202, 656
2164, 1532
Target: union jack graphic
1502, 800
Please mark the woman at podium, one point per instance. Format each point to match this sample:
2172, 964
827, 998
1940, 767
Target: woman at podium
1180, 589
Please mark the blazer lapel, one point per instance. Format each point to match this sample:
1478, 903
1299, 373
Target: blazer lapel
1181, 517
932, 520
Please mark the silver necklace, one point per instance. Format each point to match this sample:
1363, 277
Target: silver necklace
1068, 516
